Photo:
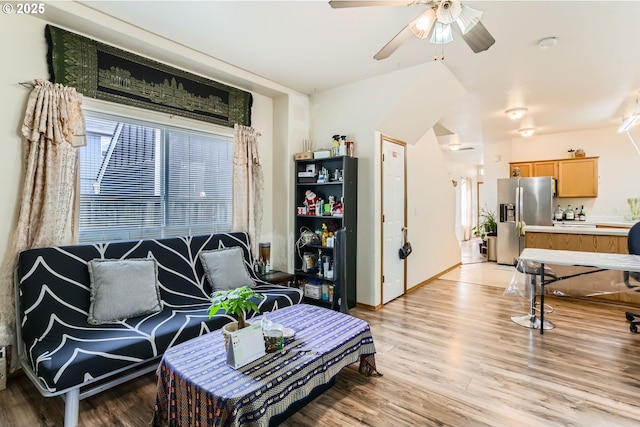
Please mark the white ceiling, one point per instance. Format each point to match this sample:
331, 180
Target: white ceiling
590, 79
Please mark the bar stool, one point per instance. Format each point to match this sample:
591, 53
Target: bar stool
533, 272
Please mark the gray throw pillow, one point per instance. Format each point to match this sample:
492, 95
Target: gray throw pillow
123, 288
225, 269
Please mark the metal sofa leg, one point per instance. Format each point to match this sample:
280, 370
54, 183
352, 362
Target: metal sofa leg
71, 407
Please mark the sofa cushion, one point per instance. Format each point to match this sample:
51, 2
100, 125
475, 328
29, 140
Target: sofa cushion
225, 269
122, 288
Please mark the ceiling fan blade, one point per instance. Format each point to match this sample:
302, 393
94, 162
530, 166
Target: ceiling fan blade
394, 43
478, 38
338, 4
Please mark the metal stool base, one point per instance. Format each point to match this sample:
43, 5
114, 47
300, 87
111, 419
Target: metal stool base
531, 322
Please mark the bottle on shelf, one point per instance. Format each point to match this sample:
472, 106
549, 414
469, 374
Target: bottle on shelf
582, 216
325, 234
558, 215
570, 214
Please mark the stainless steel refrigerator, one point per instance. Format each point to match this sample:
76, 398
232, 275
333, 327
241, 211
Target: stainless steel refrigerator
521, 201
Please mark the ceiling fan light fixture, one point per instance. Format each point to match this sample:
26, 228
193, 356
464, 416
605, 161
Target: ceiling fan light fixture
421, 27
527, 132
468, 18
516, 113
442, 34
455, 147
448, 11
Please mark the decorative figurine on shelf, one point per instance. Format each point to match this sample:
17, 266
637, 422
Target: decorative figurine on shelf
337, 175
337, 209
332, 202
310, 201
323, 176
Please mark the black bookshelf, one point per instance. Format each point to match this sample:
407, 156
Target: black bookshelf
343, 186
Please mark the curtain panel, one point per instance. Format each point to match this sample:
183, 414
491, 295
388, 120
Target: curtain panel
247, 184
53, 127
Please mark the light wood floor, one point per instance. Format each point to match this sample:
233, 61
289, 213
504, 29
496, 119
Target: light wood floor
450, 356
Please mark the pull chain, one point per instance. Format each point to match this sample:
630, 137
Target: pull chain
439, 38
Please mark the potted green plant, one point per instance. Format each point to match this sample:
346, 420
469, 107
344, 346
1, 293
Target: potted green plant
236, 302
487, 226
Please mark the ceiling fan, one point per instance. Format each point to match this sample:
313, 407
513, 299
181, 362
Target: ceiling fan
437, 22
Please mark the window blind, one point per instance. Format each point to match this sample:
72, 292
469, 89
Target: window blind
143, 180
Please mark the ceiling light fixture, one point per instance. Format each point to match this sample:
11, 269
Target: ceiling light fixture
516, 113
630, 121
441, 34
421, 27
454, 146
526, 132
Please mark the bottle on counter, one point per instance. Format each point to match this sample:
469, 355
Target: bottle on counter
569, 214
558, 215
582, 216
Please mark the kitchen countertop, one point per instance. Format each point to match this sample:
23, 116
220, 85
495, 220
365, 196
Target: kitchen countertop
619, 224
580, 228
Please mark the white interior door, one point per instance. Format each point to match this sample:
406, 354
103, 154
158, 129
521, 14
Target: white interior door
393, 219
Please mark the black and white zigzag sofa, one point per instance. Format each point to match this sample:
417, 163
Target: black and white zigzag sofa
63, 353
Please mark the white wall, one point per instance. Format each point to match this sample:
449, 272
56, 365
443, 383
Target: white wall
431, 210
362, 111
496, 166
287, 141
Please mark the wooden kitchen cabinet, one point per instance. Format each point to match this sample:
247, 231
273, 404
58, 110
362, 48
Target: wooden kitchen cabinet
542, 168
546, 168
578, 177
577, 242
526, 169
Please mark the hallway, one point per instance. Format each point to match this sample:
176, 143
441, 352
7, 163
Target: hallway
475, 268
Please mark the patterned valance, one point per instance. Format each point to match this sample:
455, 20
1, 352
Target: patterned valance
104, 72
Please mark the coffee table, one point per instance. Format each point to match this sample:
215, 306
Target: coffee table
197, 388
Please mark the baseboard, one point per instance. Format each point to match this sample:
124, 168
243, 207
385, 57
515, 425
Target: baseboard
368, 307
410, 290
432, 278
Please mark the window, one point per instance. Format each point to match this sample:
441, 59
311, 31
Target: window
141, 180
